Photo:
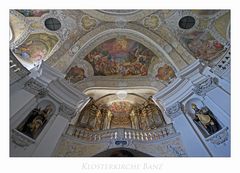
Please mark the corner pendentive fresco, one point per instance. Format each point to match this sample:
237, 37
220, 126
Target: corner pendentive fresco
202, 45
33, 13
165, 73
75, 74
36, 47
120, 56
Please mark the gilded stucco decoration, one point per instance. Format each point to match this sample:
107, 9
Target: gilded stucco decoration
151, 22
88, 23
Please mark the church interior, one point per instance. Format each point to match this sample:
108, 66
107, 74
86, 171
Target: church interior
119, 83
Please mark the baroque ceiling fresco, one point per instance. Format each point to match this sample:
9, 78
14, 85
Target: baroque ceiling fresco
36, 47
33, 13
97, 45
203, 45
120, 56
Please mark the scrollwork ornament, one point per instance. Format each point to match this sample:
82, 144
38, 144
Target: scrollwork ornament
174, 110
176, 150
205, 86
220, 137
66, 111
35, 87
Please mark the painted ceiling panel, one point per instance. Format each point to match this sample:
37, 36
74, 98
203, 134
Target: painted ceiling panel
160, 49
120, 56
18, 26
36, 47
222, 24
33, 13
202, 45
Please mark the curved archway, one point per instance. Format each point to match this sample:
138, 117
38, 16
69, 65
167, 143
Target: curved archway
110, 16
158, 45
132, 34
122, 152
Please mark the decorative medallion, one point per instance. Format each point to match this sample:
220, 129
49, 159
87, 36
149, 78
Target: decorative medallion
75, 74
88, 23
165, 73
152, 22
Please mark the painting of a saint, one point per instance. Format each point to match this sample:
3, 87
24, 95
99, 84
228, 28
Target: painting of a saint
36, 47
33, 13
205, 120
75, 74
120, 56
165, 73
36, 120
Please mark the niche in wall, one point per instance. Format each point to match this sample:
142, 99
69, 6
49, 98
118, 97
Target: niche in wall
37, 119
204, 119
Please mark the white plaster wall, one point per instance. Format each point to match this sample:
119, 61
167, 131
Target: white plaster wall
222, 150
221, 115
18, 100
16, 151
221, 99
49, 141
227, 75
191, 142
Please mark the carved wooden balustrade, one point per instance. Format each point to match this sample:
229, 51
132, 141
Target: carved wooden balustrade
120, 134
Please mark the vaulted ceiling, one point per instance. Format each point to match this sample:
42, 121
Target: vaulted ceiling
102, 45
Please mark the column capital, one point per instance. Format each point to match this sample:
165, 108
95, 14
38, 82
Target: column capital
67, 111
